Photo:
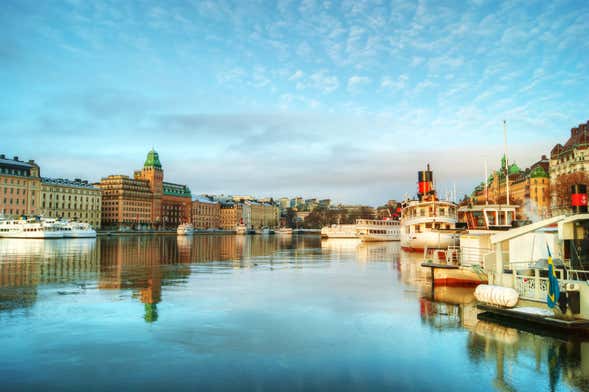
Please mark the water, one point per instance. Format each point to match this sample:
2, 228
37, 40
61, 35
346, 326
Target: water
254, 313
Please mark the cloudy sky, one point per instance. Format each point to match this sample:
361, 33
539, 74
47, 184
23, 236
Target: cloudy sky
340, 99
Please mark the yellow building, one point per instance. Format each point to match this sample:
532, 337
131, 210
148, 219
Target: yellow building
125, 201
529, 189
206, 214
257, 215
72, 200
19, 187
231, 216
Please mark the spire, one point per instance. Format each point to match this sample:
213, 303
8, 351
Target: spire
152, 160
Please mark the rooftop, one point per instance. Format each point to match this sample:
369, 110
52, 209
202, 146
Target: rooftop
77, 183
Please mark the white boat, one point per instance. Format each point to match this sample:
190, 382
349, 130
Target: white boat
29, 228
185, 229
375, 230
79, 230
339, 231
428, 223
265, 230
240, 229
284, 231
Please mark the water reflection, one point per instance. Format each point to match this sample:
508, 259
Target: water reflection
279, 311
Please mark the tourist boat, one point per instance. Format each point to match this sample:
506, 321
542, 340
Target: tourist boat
428, 223
374, 230
29, 228
284, 231
339, 231
77, 230
241, 229
185, 229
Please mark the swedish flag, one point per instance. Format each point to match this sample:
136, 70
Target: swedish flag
553, 289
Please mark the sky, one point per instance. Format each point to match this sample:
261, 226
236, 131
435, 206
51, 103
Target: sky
340, 99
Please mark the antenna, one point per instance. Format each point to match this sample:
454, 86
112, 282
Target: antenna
506, 161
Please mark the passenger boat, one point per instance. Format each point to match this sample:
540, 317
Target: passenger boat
185, 229
339, 231
78, 230
428, 223
29, 228
240, 229
374, 230
284, 231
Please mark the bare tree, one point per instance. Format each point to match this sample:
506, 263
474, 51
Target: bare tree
562, 188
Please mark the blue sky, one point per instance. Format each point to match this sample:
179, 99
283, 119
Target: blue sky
315, 98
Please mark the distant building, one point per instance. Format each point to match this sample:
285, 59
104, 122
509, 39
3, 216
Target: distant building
284, 203
206, 213
20, 185
144, 199
326, 203
231, 215
73, 200
257, 215
566, 161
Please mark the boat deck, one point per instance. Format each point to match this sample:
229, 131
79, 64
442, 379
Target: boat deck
539, 317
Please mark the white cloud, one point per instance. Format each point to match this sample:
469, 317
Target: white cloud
355, 83
297, 75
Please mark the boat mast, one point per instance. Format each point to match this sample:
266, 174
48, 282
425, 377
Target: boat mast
506, 161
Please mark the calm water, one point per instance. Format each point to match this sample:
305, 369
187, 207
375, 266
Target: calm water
254, 313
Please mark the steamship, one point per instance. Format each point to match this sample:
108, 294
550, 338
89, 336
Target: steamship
427, 222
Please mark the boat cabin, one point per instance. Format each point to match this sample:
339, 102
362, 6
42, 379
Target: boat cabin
488, 216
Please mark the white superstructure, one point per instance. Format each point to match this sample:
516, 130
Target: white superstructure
339, 231
373, 230
185, 229
29, 228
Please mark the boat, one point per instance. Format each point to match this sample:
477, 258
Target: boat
284, 231
241, 229
79, 230
30, 228
339, 231
375, 230
185, 229
265, 231
447, 270
427, 222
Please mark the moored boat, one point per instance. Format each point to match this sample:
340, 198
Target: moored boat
29, 228
185, 229
339, 231
284, 231
375, 230
428, 223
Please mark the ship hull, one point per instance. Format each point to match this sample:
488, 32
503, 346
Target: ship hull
417, 242
459, 277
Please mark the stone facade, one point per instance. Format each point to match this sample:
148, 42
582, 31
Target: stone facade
568, 159
206, 214
257, 215
231, 216
176, 204
20, 185
72, 200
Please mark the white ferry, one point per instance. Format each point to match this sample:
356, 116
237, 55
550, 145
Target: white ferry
185, 229
339, 231
428, 223
79, 230
374, 230
29, 228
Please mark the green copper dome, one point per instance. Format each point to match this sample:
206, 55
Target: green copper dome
514, 169
152, 160
538, 172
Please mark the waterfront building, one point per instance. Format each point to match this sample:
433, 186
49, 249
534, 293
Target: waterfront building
569, 164
325, 203
20, 183
73, 200
144, 199
231, 215
125, 201
206, 213
529, 189
284, 203
176, 204
257, 215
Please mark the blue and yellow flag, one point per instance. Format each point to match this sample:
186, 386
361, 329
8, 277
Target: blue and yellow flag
553, 289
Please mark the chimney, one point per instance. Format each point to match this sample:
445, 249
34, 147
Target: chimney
32, 161
15, 158
544, 157
2, 156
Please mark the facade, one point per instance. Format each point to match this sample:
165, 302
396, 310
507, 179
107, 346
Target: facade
257, 215
73, 200
176, 204
206, 214
529, 189
566, 161
145, 199
231, 216
20, 185
125, 201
